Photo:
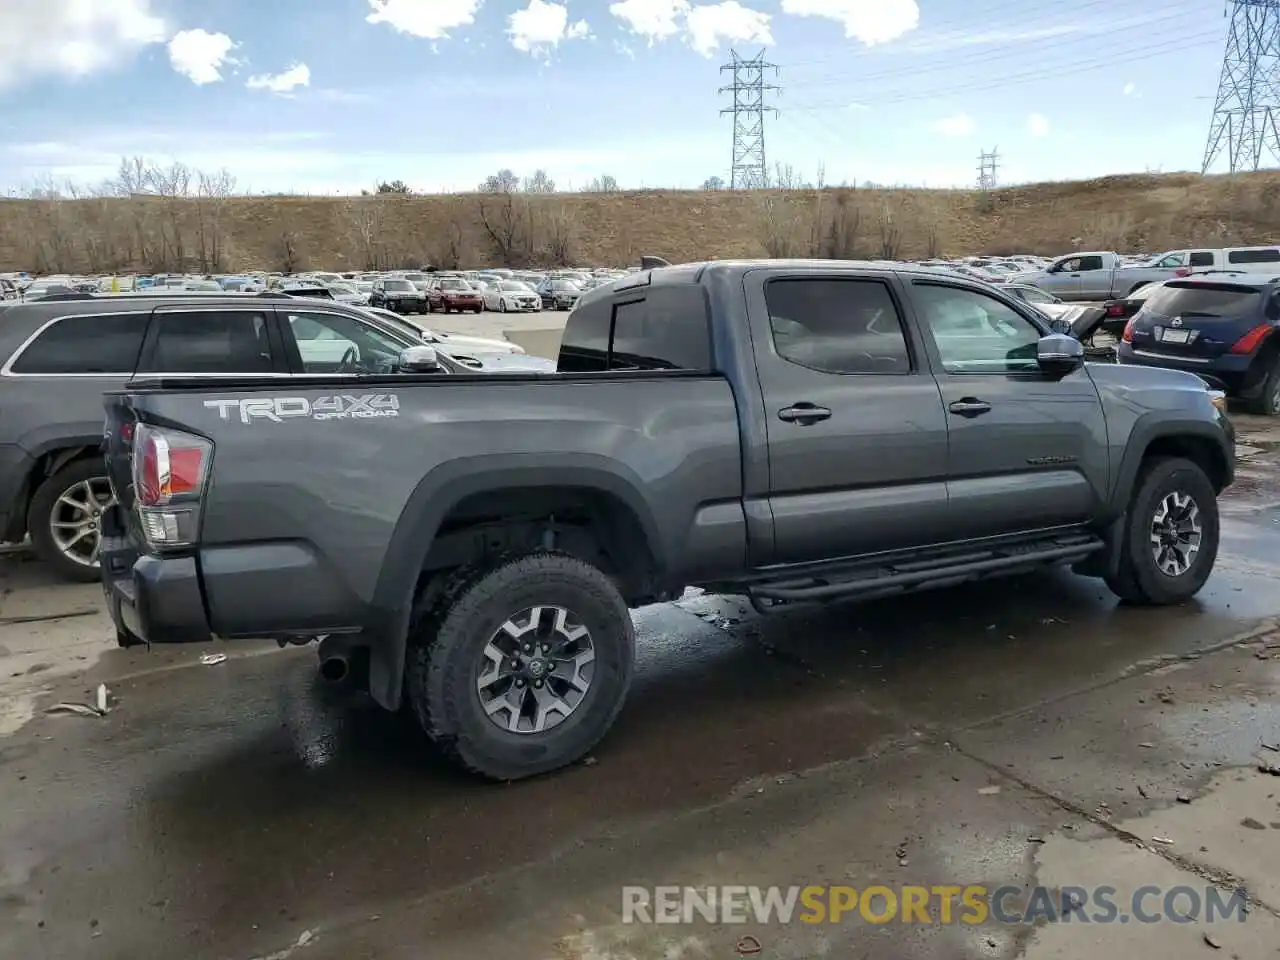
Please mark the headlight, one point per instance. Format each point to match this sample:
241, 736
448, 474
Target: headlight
1218, 399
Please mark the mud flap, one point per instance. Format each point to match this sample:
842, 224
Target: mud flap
1106, 562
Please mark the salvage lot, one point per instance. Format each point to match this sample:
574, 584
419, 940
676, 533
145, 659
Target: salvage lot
240, 809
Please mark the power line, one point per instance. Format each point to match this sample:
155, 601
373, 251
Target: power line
1136, 54
987, 57
1248, 101
748, 170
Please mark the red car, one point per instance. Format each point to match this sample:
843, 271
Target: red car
453, 293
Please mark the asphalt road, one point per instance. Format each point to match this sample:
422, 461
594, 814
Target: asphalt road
1001, 733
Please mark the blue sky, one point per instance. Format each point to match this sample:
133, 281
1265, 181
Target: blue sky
326, 96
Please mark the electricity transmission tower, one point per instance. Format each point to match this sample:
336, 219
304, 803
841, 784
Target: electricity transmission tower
988, 164
748, 170
1248, 101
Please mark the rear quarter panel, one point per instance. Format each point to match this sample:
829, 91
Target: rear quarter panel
340, 490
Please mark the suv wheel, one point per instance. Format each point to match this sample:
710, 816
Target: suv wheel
1268, 401
1170, 534
526, 669
65, 519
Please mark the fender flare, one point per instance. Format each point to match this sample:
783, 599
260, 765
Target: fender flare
431, 501
1153, 426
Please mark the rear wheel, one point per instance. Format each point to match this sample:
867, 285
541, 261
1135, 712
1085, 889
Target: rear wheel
65, 519
526, 669
1170, 535
1267, 402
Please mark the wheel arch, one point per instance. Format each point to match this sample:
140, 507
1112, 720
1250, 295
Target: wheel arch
459, 496
47, 458
1199, 441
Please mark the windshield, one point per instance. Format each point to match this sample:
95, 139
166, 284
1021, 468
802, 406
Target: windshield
454, 284
1218, 299
515, 286
564, 285
341, 288
399, 285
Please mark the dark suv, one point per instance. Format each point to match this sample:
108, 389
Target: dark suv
1219, 325
60, 354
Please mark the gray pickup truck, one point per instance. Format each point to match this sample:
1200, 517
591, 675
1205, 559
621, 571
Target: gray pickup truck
1095, 276
789, 431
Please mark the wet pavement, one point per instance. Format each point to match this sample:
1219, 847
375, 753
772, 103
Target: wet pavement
993, 734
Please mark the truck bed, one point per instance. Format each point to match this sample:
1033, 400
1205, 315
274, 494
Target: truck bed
304, 472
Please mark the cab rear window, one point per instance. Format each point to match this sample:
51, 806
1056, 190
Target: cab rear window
664, 328
1216, 299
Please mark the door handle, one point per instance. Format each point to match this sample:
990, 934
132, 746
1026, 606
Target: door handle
970, 407
803, 413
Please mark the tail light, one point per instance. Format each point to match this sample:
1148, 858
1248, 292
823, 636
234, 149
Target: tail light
1115, 309
170, 473
1249, 342
1127, 336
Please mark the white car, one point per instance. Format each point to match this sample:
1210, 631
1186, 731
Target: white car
348, 293
449, 342
511, 296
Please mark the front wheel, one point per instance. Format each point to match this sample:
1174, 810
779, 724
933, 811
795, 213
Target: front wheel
1170, 535
65, 519
526, 669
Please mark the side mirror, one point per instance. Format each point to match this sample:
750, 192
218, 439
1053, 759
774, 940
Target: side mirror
1059, 354
419, 360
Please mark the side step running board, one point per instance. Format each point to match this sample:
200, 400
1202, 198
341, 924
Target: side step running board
920, 572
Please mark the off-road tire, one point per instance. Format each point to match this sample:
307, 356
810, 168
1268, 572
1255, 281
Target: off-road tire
40, 509
445, 652
1138, 580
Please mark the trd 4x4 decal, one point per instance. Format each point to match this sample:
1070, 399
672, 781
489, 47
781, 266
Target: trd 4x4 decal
340, 406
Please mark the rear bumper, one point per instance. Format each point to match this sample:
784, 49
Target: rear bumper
157, 599
1228, 372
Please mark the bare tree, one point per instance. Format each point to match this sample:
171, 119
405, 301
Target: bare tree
561, 234
540, 182
364, 217
845, 226
890, 233
289, 251
172, 185
713, 183
213, 190
504, 181
777, 226
506, 221
603, 184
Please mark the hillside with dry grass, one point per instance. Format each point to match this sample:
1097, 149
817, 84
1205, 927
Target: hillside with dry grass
228, 233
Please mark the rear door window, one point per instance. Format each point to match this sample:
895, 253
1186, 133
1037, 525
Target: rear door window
209, 341
837, 325
103, 344
1209, 299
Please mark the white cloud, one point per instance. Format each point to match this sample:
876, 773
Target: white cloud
1038, 125
710, 25
200, 56
1130, 89
542, 26
652, 19
704, 26
72, 38
869, 21
957, 125
298, 75
430, 19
